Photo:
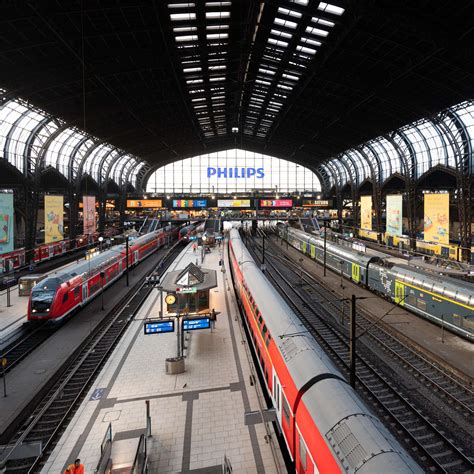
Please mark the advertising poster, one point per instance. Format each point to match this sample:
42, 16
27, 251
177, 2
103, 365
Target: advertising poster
89, 214
188, 203
53, 219
366, 212
436, 220
327, 203
233, 203
276, 203
6, 222
394, 214
144, 203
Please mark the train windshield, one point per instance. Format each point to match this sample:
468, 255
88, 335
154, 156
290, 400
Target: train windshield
41, 300
43, 294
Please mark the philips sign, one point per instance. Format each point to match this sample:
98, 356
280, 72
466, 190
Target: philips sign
235, 172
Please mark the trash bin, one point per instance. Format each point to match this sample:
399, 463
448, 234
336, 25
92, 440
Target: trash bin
175, 365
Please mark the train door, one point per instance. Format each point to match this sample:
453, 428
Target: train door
313, 251
356, 272
304, 245
276, 395
135, 257
399, 293
84, 291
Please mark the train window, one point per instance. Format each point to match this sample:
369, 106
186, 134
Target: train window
260, 320
302, 454
65, 297
77, 290
412, 300
267, 342
264, 330
286, 411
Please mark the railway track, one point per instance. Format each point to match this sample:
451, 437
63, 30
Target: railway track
319, 310
55, 410
30, 338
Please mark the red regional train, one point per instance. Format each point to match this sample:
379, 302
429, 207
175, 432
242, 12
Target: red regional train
17, 258
326, 426
67, 290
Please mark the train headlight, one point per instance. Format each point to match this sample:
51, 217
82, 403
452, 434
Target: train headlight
47, 310
33, 310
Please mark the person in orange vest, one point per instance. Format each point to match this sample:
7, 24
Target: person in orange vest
78, 467
69, 469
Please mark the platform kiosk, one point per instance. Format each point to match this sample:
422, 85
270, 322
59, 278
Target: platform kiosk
187, 300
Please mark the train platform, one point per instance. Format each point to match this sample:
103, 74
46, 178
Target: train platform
445, 347
197, 417
26, 381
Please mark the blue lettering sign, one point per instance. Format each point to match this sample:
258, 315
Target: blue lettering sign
235, 172
158, 327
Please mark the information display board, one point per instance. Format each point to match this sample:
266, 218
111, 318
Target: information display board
144, 203
276, 202
322, 203
196, 323
189, 203
158, 326
233, 203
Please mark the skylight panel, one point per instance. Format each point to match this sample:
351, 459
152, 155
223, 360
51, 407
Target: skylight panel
316, 31
285, 23
217, 27
280, 34
181, 5
216, 79
194, 81
217, 67
198, 99
330, 8
292, 13
261, 81
320, 21
218, 4
191, 69
186, 38
277, 42
204, 106
266, 71
182, 16
214, 15
183, 29
291, 77
213, 36
305, 40
300, 2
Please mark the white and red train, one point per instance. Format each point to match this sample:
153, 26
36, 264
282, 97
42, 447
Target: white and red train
16, 259
73, 287
326, 426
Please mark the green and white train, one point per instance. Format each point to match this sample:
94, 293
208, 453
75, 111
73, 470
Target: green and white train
446, 302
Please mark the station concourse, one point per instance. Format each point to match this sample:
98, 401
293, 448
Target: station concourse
236, 236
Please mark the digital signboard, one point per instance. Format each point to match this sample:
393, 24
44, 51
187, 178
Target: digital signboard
276, 203
158, 326
196, 323
144, 203
233, 203
188, 203
317, 203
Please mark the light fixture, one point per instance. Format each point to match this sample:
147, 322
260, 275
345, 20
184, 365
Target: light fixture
235, 129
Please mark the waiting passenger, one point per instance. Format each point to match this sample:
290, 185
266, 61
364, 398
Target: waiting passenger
213, 319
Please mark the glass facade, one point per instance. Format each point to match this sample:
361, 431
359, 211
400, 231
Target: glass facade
29, 138
232, 171
446, 140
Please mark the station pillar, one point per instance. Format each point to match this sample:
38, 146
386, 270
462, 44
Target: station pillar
254, 226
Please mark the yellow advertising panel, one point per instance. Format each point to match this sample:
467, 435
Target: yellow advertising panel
53, 219
436, 220
89, 214
144, 203
366, 212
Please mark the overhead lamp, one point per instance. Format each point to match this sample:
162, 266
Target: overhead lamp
235, 129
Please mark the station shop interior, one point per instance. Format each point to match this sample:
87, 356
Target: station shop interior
230, 176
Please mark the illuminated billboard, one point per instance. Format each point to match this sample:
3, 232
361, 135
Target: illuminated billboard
53, 219
276, 203
436, 220
233, 203
144, 203
189, 203
317, 203
366, 212
394, 214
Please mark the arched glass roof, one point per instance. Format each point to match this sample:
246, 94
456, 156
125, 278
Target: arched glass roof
233, 171
30, 137
447, 140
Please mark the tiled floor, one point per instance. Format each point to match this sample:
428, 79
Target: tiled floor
197, 416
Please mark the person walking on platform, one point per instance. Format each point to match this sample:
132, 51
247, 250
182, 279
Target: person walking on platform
194, 248
76, 468
213, 319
